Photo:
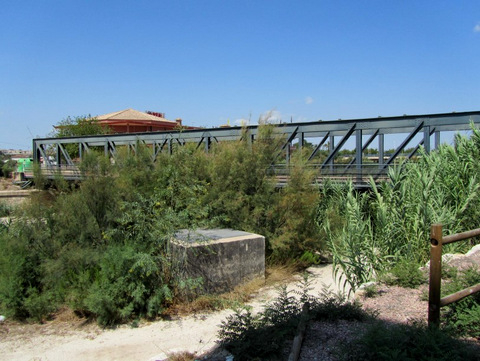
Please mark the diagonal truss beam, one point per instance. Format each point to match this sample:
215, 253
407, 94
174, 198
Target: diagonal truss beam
404, 144
317, 148
339, 146
65, 154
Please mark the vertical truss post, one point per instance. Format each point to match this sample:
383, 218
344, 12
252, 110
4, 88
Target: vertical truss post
426, 138
381, 149
82, 149
331, 148
437, 139
36, 152
288, 145
207, 143
170, 147
58, 155
358, 148
249, 138
287, 153
301, 140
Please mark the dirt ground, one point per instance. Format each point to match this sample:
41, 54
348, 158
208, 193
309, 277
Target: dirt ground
75, 339
68, 337
6, 184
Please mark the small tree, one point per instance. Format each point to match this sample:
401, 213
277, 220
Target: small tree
78, 126
7, 165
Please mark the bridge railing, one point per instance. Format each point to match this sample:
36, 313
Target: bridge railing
69, 172
435, 302
338, 172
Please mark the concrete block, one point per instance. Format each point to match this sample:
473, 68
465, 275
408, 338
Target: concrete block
222, 258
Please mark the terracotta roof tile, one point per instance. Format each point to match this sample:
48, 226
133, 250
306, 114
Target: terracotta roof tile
132, 114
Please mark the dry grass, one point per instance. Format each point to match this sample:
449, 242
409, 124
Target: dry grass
240, 295
181, 356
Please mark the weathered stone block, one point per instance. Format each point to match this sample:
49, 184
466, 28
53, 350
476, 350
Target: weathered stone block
222, 258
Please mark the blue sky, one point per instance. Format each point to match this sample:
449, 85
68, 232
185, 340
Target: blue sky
212, 61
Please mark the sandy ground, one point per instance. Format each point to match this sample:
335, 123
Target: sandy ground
148, 342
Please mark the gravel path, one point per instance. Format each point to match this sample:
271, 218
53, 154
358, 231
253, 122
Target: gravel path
393, 304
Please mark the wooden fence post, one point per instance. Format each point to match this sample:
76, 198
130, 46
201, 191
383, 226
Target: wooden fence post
435, 275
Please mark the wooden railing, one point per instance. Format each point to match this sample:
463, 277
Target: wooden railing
435, 302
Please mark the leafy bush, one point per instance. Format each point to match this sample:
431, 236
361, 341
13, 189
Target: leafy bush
297, 236
128, 284
7, 168
39, 305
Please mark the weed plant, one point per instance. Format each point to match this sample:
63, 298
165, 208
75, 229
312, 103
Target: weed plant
371, 291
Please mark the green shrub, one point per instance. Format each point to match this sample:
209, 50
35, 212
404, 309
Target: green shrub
7, 168
297, 236
39, 305
405, 274
128, 284
5, 209
20, 261
371, 291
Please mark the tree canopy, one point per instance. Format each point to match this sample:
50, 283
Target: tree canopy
78, 126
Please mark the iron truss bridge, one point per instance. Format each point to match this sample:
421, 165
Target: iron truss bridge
324, 141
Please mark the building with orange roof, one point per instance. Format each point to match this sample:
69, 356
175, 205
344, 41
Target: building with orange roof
134, 121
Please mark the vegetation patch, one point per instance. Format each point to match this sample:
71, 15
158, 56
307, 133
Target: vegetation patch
262, 336
463, 317
382, 341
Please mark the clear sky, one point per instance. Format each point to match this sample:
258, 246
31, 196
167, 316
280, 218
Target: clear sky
209, 62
